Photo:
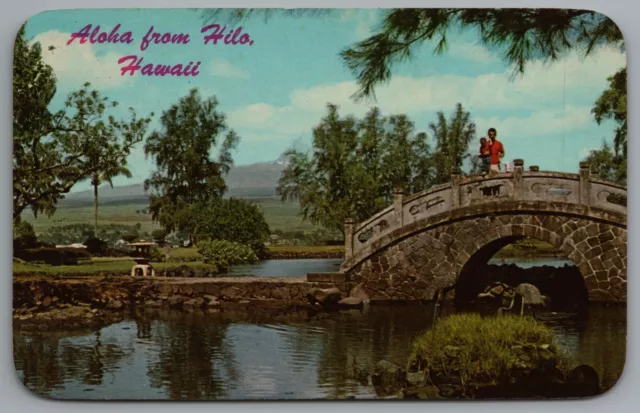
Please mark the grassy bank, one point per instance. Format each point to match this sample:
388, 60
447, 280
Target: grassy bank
487, 350
101, 266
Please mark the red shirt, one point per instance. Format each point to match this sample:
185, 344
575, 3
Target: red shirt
496, 150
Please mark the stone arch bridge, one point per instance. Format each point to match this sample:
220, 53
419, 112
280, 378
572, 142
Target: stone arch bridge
426, 241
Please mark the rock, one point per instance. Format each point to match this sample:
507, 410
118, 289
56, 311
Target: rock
416, 379
544, 347
421, 393
194, 302
546, 355
176, 301
387, 378
583, 381
359, 292
114, 304
451, 392
350, 302
499, 290
211, 301
324, 296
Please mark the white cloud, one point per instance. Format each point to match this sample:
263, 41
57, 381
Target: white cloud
539, 123
469, 51
78, 63
554, 95
223, 68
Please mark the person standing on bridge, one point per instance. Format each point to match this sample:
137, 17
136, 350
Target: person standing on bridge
485, 155
497, 151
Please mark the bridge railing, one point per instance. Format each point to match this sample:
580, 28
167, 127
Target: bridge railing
532, 185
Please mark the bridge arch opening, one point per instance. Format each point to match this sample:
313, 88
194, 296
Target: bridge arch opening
513, 260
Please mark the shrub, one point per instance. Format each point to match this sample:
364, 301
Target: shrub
24, 236
159, 235
483, 350
130, 237
54, 256
224, 254
157, 254
95, 245
235, 220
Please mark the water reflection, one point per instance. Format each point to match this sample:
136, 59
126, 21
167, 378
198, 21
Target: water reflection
172, 356
286, 268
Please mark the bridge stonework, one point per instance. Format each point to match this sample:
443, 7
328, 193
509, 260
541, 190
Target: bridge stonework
427, 241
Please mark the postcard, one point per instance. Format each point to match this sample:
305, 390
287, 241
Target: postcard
319, 204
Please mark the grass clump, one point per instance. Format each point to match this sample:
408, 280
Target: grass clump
467, 349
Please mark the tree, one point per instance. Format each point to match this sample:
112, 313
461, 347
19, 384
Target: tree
355, 166
114, 140
612, 104
322, 183
603, 163
53, 151
235, 220
186, 175
452, 142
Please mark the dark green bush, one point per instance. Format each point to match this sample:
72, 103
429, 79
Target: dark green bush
157, 254
24, 236
95, 246
54, 256
235, 220
224, 254
159, 235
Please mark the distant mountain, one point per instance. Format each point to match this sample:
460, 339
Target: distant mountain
258, 180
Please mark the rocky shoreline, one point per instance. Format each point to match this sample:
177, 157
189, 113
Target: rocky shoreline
58, 304
538, 374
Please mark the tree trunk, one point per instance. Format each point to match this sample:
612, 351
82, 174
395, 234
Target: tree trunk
95, 211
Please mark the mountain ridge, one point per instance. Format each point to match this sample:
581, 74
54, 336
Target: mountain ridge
257, 180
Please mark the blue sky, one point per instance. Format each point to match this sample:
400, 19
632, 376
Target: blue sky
276, 90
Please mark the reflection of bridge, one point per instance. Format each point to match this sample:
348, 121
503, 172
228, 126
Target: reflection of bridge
427, 240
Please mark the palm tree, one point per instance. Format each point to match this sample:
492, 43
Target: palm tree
105, 175
452, 137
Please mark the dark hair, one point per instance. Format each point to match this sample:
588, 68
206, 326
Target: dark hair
492, 130
483, 140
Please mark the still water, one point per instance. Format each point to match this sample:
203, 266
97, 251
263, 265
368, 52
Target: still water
206, 357
300, 267
163, 355
286, 268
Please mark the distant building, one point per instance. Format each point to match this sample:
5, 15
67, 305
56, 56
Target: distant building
76, 245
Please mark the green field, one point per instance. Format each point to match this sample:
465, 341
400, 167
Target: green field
279, 215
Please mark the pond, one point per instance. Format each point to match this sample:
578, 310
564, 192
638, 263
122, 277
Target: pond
286, 268
178, 356
301, 267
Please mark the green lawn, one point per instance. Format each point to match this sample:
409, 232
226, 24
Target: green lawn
96, 266
280, 216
